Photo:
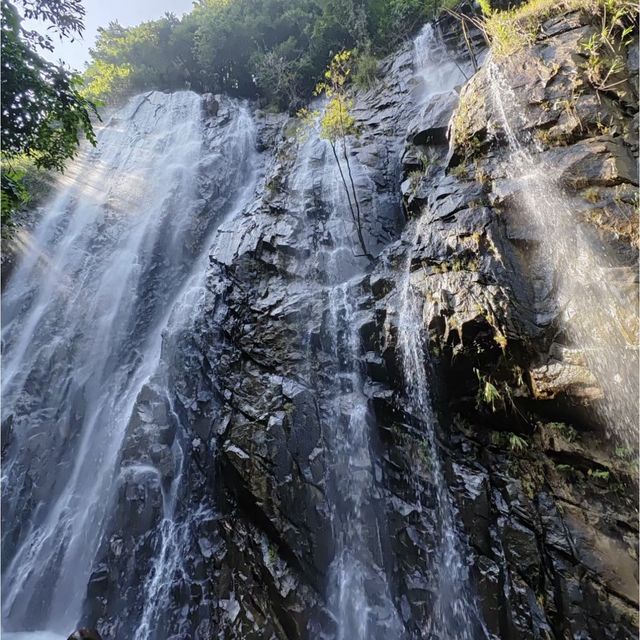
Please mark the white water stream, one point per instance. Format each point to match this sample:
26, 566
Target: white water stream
358, 594
113, 269
454, 614
596, 320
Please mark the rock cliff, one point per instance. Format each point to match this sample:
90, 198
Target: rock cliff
291, 397
546, 500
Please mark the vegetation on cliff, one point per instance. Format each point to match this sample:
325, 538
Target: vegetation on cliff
336, 124
511, 30
602, 56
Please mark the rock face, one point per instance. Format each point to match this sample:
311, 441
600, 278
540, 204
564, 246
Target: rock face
545, 506
544, 501
541, 494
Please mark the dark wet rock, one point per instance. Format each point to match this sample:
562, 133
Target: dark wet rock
537, 483
595, 162
85, 634
432, 123
544, 506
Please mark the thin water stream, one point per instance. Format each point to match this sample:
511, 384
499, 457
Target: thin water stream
357, 592
454, 613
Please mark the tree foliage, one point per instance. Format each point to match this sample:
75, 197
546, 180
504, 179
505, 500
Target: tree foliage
154, 54
274, 50
43, 112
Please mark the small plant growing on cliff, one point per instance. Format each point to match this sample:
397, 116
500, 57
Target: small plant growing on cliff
604, 62
565, 430
272, 554
511, 30
482, 177
490, 394
425, 161
624, 453
591, 195
487, 391
366, 70
517, 443
459, 171
336, 125
415, 178
599, 474
500, 339
485, 7
424, 453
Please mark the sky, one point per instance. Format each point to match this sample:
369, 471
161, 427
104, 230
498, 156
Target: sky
98, 14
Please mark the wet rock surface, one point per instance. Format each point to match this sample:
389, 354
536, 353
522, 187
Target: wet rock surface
545, 502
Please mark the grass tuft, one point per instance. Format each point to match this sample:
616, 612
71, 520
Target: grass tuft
514, 29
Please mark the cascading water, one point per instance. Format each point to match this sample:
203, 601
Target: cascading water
453, 614
109, 345
179, 522
436, 70
352, 572
358, 593
113, 271
596, 319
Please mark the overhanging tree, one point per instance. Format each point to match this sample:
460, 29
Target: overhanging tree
44, 114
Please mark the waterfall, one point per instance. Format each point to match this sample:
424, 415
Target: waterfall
436, 71
165, 289
236, 146
353, 471
113, 275
454, 613
596, 320
358, 593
